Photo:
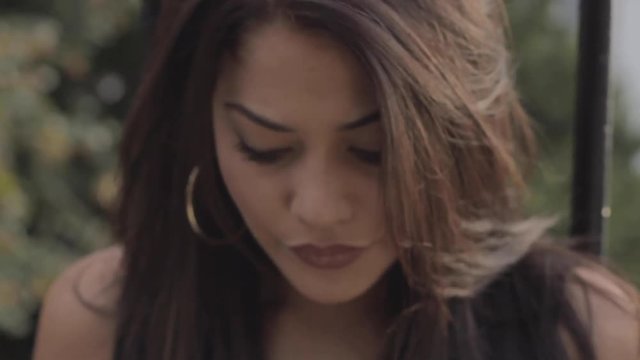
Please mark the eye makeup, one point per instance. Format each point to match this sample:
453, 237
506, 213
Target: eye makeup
265, 157
273, 156
367, 156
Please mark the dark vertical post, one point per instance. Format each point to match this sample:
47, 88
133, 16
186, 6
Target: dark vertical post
592, 131
149, 14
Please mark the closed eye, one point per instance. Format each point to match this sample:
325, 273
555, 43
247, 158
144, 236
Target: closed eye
272, 156
367, 156
265, 157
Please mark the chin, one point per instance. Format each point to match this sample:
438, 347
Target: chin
332, 285
335, 287
331, 295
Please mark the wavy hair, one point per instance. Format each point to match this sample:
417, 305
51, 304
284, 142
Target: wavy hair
457, 145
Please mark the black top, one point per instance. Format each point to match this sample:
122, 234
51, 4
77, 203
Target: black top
517, 316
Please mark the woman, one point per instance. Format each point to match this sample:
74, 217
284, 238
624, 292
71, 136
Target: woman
352, 174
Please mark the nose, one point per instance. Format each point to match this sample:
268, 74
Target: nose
320, 198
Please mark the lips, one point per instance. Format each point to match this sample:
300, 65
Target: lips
329, 257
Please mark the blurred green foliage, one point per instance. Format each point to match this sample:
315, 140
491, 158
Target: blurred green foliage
545, 53
67, 72
58, 137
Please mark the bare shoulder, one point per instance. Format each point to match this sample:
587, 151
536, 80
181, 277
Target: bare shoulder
78, 317
609, 307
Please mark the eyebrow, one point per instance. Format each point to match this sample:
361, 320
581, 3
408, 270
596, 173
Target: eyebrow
273, 125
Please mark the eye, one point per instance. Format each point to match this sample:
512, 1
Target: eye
367, 156
264, 157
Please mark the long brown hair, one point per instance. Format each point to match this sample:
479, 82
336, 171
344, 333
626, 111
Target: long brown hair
457, 142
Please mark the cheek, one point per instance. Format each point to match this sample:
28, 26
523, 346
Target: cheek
370, 204
256, 196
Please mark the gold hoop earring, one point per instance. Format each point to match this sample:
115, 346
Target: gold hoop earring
193, 219
191, 213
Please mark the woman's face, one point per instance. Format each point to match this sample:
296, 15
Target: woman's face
298, 138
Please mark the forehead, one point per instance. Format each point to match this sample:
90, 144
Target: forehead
290, 73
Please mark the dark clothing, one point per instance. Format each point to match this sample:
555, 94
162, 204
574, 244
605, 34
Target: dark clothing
516, 317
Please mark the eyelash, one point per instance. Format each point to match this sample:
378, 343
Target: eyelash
261, 157
269, 157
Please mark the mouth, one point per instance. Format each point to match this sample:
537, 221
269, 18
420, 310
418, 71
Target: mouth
328, 257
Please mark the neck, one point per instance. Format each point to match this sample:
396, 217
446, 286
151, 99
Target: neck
298, 327
358, 326
363, 312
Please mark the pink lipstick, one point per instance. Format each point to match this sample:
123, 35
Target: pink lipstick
330, 257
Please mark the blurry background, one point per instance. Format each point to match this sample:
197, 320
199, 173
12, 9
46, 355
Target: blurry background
68, 69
